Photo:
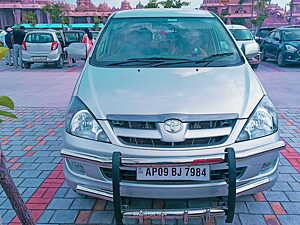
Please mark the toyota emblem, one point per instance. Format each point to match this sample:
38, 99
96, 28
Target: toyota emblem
173, 126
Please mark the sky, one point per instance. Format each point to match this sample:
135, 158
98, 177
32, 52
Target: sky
194, 3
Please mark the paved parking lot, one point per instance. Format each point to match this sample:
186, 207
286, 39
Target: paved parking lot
32, 143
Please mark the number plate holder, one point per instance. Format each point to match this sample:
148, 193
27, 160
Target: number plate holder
174, 173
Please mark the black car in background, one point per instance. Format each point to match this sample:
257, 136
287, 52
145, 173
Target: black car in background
283, 45
262, 33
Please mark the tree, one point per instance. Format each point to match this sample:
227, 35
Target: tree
6, 180
54, 10
30, 18
260, 8
152, 4
65, 20
96, 22
174, 3
166, 4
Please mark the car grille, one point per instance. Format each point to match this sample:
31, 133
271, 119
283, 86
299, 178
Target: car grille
130, 175
148, 133
195, 142
133, 124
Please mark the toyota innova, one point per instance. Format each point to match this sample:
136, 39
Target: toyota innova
169, 90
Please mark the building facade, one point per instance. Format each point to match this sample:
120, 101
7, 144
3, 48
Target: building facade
13, 11
242, 12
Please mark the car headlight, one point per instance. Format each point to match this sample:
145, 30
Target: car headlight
262, 122
291, 48
81, 122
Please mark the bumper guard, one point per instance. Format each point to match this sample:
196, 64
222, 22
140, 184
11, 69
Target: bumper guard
163, 214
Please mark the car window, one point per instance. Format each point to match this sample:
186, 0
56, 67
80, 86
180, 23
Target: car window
263, 33
184, 38
271, 35
242, 34
277, 35
39, 38
73, 37
292, 35
59, 37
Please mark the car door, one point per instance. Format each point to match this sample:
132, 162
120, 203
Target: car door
275, 44
267, 44
77, 50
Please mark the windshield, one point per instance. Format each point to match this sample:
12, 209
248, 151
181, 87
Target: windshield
264, 32
165, 39
293, 35
39, 38
242, 34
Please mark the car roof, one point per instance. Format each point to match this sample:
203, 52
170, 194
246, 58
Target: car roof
71, 31
162, 13
41, 31
289, 28
235, 26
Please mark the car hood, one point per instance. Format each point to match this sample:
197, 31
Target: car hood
153, 91
294, 43
251, 45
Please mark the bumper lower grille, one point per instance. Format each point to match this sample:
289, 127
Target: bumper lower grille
130, 175
156, 143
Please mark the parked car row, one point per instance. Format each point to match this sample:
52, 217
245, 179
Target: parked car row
280, 44
53, 46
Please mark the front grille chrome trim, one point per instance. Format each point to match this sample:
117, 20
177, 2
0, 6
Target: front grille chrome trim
182, 117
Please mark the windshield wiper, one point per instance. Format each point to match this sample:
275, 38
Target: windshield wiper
149, 60
208, 59
211, 58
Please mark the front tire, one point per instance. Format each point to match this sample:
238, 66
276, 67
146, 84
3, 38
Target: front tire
263, 55
280, 60
26, 65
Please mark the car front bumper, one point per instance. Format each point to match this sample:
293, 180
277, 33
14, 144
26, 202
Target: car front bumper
259, 158
256, 60
292, 58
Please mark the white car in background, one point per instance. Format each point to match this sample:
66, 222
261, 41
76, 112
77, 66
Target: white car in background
245, 39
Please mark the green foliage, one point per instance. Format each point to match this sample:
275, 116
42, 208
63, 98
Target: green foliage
174, 3
166, 4
260, 7
152, 4
96, 22
30, 18
54, 10
8, 103
65, 20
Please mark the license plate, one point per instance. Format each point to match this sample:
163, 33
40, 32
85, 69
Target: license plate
199, 173
39, 58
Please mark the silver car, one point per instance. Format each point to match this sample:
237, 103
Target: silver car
245, 38
42, 46
169, 90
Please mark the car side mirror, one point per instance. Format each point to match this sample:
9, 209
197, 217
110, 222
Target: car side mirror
248, 51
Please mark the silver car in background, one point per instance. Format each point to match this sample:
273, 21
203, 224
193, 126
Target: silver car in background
170, 90
245, 39
42, 47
